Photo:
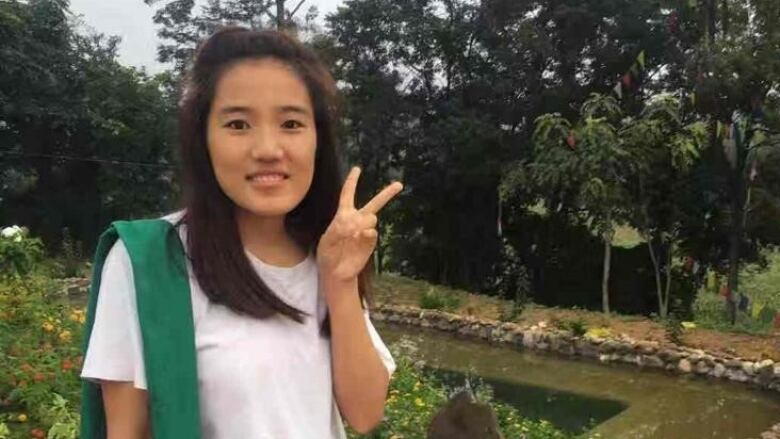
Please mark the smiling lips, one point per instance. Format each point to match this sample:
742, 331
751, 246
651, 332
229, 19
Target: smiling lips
267, 179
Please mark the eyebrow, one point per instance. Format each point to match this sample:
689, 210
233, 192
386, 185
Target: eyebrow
282, 109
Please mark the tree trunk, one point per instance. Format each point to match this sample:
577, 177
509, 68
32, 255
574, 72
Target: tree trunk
605, 278
668, 290
735, 236
280, 21
657, 272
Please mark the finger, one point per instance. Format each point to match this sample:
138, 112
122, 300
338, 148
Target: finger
382, 198
366, 234
348, 190
368, 221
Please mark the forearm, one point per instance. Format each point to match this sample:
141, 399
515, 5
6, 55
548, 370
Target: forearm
360, 377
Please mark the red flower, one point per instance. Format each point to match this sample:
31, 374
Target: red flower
39, 376
66, 364
38, 433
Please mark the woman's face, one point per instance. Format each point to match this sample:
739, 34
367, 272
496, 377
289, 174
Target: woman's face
262, 137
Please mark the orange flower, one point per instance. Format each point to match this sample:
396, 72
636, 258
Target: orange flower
39, 376
67, 365
38, 433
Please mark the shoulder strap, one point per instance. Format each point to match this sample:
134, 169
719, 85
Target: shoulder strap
167, 329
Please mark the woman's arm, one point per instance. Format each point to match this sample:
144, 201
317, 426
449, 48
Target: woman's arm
360, 377
127, 410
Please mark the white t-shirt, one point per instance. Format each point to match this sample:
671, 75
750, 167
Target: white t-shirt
258, 379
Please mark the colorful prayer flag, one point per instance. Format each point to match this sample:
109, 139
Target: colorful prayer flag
627, 80
571, 140
618, 90
753, 172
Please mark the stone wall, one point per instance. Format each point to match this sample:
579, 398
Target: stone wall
650, 354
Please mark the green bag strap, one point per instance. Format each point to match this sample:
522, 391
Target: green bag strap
167, 330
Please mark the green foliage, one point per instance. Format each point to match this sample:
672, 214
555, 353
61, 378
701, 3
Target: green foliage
673, 329
760, 282
72, 255
434, 298
18, 252
578, 327
74, 123
510, 278
40, 338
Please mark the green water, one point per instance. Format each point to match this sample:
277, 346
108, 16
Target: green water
621, 401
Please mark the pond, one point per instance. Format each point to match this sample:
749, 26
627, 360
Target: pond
618, 401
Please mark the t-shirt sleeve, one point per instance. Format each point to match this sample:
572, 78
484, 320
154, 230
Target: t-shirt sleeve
380, 346
115, 351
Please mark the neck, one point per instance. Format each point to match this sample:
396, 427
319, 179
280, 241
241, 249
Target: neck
268, 240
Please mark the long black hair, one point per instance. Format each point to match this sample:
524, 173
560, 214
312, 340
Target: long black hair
214, 246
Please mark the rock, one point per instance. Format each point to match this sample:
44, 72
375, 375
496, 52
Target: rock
718, 370
647, 347
585, 349
529, 339
737, 375
630, 359
702, 368
733, 364
543, 346
651, 361
670, 355
748, 367
684, 366
608, 346
765, 365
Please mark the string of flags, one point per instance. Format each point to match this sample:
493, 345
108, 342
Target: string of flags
630, 79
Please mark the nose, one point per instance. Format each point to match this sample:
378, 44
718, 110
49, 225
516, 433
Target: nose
266, 145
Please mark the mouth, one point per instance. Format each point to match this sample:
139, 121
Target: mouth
267, 178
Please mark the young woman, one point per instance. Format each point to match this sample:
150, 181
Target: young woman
276, 258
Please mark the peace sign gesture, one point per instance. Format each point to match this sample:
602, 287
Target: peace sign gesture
351, 237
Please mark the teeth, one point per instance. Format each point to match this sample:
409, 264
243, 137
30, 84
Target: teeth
268, 177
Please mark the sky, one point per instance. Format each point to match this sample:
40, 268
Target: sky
132, 20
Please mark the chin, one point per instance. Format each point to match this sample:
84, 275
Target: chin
267, 208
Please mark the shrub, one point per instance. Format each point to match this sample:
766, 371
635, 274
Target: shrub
40, 338
18, 252
436, 299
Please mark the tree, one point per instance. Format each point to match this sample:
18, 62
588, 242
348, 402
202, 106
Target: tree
181, 27
667, 148
75, 125
588, 162
736, 73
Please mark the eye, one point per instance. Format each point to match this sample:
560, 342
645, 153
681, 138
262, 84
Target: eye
292, 124
237, 124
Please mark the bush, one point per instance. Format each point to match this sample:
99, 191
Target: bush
40, 338
510, 277
18, 252
436, 299
761, 284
